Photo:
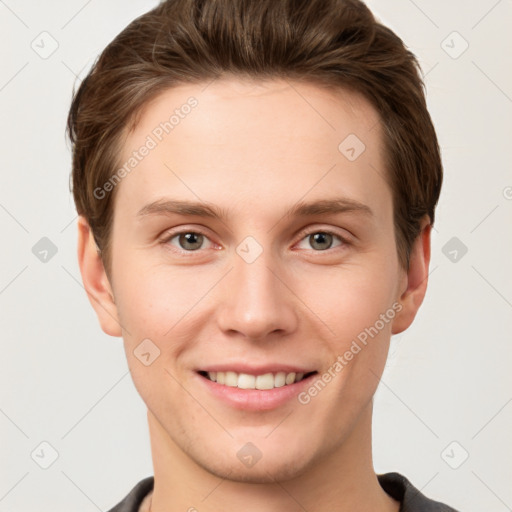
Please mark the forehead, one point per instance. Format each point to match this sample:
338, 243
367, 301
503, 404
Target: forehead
300, 109
238, 138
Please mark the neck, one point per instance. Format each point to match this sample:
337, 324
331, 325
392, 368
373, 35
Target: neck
343, 479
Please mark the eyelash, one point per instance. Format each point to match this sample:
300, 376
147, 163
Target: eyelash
165, 241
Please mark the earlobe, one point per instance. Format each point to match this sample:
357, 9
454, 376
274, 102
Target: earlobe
416, 279
95, 280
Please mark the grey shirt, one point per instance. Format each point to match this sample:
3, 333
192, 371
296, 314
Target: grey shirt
395, 484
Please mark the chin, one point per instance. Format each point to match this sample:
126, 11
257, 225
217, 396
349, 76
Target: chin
260, 461
263, 472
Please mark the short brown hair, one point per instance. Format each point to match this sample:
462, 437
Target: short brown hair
333, 43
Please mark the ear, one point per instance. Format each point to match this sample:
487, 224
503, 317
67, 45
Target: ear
95, 280
416, 279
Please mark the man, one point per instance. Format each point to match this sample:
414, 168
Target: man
256, 183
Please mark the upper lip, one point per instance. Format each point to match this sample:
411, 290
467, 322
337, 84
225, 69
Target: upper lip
256, 369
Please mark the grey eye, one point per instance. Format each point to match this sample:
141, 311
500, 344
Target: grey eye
190, 241
321, 240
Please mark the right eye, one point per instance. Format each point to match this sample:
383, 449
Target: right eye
186, 241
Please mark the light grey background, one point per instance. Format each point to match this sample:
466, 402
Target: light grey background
447, 389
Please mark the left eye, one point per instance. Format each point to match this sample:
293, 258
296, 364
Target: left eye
322, 240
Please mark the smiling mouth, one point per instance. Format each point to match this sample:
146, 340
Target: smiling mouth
262, 382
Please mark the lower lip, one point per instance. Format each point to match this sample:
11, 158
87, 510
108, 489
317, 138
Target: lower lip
255, 399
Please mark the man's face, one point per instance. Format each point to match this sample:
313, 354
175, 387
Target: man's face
257, 291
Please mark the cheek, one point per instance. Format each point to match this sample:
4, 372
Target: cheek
152, 307
359, 310
348, 300
167, 307
151, 301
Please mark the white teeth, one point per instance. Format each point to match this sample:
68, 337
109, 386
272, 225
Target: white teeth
290, 378
262, 382
265, 381
280, 380
246, 381
231, 379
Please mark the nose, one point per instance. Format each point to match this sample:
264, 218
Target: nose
257, 301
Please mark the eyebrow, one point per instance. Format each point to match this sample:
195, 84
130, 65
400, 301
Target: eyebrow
301, 209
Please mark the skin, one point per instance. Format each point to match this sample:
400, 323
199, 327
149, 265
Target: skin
255, 149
